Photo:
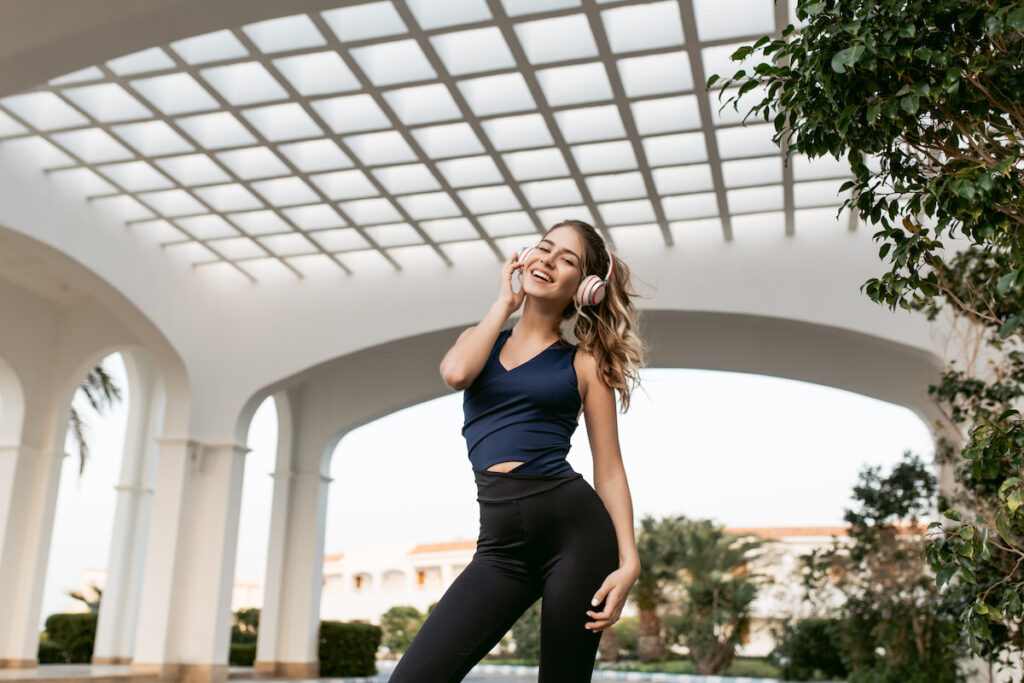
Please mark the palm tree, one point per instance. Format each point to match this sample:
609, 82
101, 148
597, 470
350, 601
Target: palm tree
93, 605
660, 544
718, 592
101, 392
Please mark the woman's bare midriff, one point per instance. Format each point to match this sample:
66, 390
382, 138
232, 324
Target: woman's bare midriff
500, 465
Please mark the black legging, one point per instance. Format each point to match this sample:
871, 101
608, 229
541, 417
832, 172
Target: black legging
541, 536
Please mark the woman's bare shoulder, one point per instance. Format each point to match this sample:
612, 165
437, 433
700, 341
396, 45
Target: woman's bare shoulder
586, 369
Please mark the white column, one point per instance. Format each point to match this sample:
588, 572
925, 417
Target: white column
266, 640
115, 629
185, 610
289, 635
29, 479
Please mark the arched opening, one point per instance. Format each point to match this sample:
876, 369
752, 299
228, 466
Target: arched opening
86, 500
254, 526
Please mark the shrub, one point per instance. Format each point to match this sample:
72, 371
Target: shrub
399, 625
627, 629
74, 633
808, 650
348, 649
51, 653
242, 654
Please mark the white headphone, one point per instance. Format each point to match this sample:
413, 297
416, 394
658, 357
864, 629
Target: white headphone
592, 290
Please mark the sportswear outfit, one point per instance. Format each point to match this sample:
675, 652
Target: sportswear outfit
544, 531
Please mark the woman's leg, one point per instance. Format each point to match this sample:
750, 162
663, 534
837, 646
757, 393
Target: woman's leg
480, 606
587, 553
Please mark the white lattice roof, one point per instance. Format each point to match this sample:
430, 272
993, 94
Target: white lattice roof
388, 130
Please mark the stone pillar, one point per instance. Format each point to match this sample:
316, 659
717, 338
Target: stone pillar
29, 479
115, 628
185, 610
290, 625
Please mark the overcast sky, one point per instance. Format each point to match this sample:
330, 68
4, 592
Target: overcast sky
742, 449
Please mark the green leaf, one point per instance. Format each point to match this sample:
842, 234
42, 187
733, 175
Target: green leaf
1006, 485
1004, 283
846, 58
907, 31
1011, 324
873, 110
814, 9
952, 514
966, 189
741, 53
909, 103
1015, 499
1002, 526
944, 574
711, 81
1016, 19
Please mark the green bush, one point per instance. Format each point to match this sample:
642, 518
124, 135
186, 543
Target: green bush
348, 649
245, 624
627, 629
74, 633
51, 653
399, 625
242, 654
808, 650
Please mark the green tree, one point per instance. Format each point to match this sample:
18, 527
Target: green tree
526, 633
659, 545
895, 625
101, 392
718, 590
245, 625
93, 605
926, 100
400, 625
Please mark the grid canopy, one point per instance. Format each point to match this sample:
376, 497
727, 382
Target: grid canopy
383, 129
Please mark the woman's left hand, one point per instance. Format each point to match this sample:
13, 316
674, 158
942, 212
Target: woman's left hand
613, 591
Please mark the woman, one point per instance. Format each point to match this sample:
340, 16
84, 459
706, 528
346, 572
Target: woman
544, 532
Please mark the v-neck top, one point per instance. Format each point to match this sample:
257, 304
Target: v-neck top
527, 413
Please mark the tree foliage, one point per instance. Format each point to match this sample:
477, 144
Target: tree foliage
713, 613
925, 98
895, 625
660, 543
399, 625
101, 392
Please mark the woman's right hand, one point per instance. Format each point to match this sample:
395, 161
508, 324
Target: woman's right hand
512, 300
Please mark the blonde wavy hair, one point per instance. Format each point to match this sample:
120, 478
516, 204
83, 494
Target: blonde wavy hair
608, 330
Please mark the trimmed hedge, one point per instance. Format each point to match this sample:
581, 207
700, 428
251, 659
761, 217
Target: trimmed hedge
348, 648
69, 638
242, 654
51, 653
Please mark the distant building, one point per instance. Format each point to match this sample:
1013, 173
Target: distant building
362, 584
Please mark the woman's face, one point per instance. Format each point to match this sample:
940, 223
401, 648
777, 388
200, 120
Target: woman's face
558, 256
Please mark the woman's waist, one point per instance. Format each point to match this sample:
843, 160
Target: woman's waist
498, 487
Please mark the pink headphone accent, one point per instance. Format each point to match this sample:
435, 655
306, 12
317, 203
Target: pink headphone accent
593, 288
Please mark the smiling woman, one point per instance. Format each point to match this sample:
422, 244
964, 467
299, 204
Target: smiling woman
544, 531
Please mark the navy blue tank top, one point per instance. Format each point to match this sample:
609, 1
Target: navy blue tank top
527, 413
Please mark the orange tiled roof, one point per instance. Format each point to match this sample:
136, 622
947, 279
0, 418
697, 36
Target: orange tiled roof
787, 531
443, 547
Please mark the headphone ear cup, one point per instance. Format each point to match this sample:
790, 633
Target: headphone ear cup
524, 252
591, 291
